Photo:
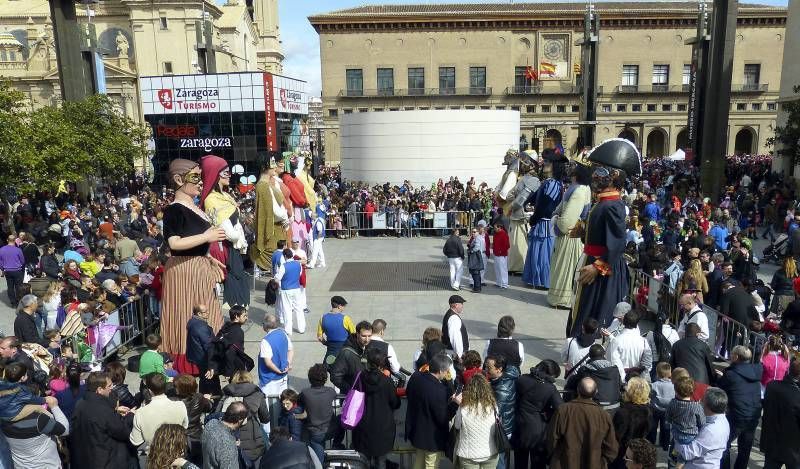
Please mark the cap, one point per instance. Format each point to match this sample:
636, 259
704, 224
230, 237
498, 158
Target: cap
338, 300
482, 223
621, 309
454, 299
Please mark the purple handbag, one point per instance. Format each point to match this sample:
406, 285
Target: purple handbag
353, 407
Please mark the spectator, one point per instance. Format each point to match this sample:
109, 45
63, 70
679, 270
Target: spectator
576, 349
219, 438
30, 434
632, 419
661, 339
428, 412
628, 351
663, 393
377, 341
775, 360
506, 346
504, 384
159, 411
151, 360
292, 413
699, 388
741, 382
454, 252
196, 406
537, 400
475, 422
198, 345
25, 325
349, 360
605, 376
374, 435
684, 416
229, 356
284, 453
317, 400
454, 332
100, 427
693, 354
581, 434
781, 284
251, 438
120, 393
169, 448
500, 248
706, 450
641, 454
69, 397
473, 365
12, 267
693, 314
334, 328
274, 358
780, 424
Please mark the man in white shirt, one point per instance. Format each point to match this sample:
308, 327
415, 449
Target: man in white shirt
454, 332
161, 410
695, 314
629, 351
576, 349
377, 341
303, 259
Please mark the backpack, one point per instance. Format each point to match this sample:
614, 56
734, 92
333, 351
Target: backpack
663, 347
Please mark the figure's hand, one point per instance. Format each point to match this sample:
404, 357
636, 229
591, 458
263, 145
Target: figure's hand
214, 234
209, 374
587, 274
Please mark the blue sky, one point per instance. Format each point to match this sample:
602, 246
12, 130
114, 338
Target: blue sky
301, 43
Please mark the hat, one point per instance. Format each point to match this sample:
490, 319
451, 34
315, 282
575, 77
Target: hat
621, 309
618, 153
455, 299
211, 166
338, 300
746, 242
482, 223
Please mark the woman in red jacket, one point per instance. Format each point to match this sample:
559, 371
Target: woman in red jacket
500, 247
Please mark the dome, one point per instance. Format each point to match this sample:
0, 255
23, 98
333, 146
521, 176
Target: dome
7, 40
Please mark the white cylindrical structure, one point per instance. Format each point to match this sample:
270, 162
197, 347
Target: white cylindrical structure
423, 146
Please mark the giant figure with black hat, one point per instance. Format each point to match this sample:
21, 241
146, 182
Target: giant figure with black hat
541, 237
603, 279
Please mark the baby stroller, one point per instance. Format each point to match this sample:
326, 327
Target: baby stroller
777, 250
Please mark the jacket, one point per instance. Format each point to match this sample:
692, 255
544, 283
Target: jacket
781, 421
50, 266
537, 401
453, 248
605, 375
98, 435
198, 339
374, 435
26, 332
581, 435
121, 394
742, 383
285, 454
428, 412
232, 341
349, 362
505, 392
196, 406
250, 435
694, 355
631, 421
15, 396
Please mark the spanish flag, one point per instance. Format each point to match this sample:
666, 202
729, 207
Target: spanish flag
547, 68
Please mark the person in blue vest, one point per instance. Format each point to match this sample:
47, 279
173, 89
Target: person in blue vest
290, 296
334, 328
277, 256
318, 237
274, 358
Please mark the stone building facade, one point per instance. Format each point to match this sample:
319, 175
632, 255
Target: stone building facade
524, 57
137, 38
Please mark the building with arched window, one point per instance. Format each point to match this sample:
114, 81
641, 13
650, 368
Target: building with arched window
524, 57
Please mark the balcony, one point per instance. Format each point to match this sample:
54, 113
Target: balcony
750, 88
651, 89
400, 92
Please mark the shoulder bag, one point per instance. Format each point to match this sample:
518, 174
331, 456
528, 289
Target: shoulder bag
353, 407
500, 437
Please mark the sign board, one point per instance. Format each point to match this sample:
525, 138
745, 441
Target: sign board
440, 219
379, 221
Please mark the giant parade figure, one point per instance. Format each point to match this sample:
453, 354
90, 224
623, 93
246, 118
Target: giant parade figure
271, 217
507, 183
603, 279
527, 184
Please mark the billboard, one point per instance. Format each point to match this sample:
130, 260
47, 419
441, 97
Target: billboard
235, 115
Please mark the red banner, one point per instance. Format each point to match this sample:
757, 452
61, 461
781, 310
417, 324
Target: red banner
269, 111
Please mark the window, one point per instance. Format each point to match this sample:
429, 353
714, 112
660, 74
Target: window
386, 81
772, 107
409, 108
424, 108
455, 107
605, 108
447, 80
12, 56
755, 106
622, 107
477, 80
636, 107
167, 68
752, 76
355, 82
666, 107
500, 108
363, 109
515, 108
378, 109
560, 108
416, 80
347, 111
741, 106
333, 113
660, 78
163, 22
686, 76
681, 108
530, 109
394, 108
651, 108
469, 107
439, 108
576, 108
486, 107
630, 78
522, 84
545, 108
3, 56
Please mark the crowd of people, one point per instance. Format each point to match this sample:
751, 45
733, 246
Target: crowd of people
184, 253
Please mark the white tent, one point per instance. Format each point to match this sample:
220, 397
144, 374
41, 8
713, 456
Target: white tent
677, 156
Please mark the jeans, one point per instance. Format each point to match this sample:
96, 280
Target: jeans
426, 459
503, 461
476, 280
661, 428
13, 282
317, 442
533, 458
744, 433
470, 464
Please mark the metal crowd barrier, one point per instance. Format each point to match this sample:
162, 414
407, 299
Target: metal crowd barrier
440, 223
373, 224
136, 319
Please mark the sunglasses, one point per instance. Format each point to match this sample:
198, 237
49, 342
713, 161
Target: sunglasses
192, 178
225, 174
